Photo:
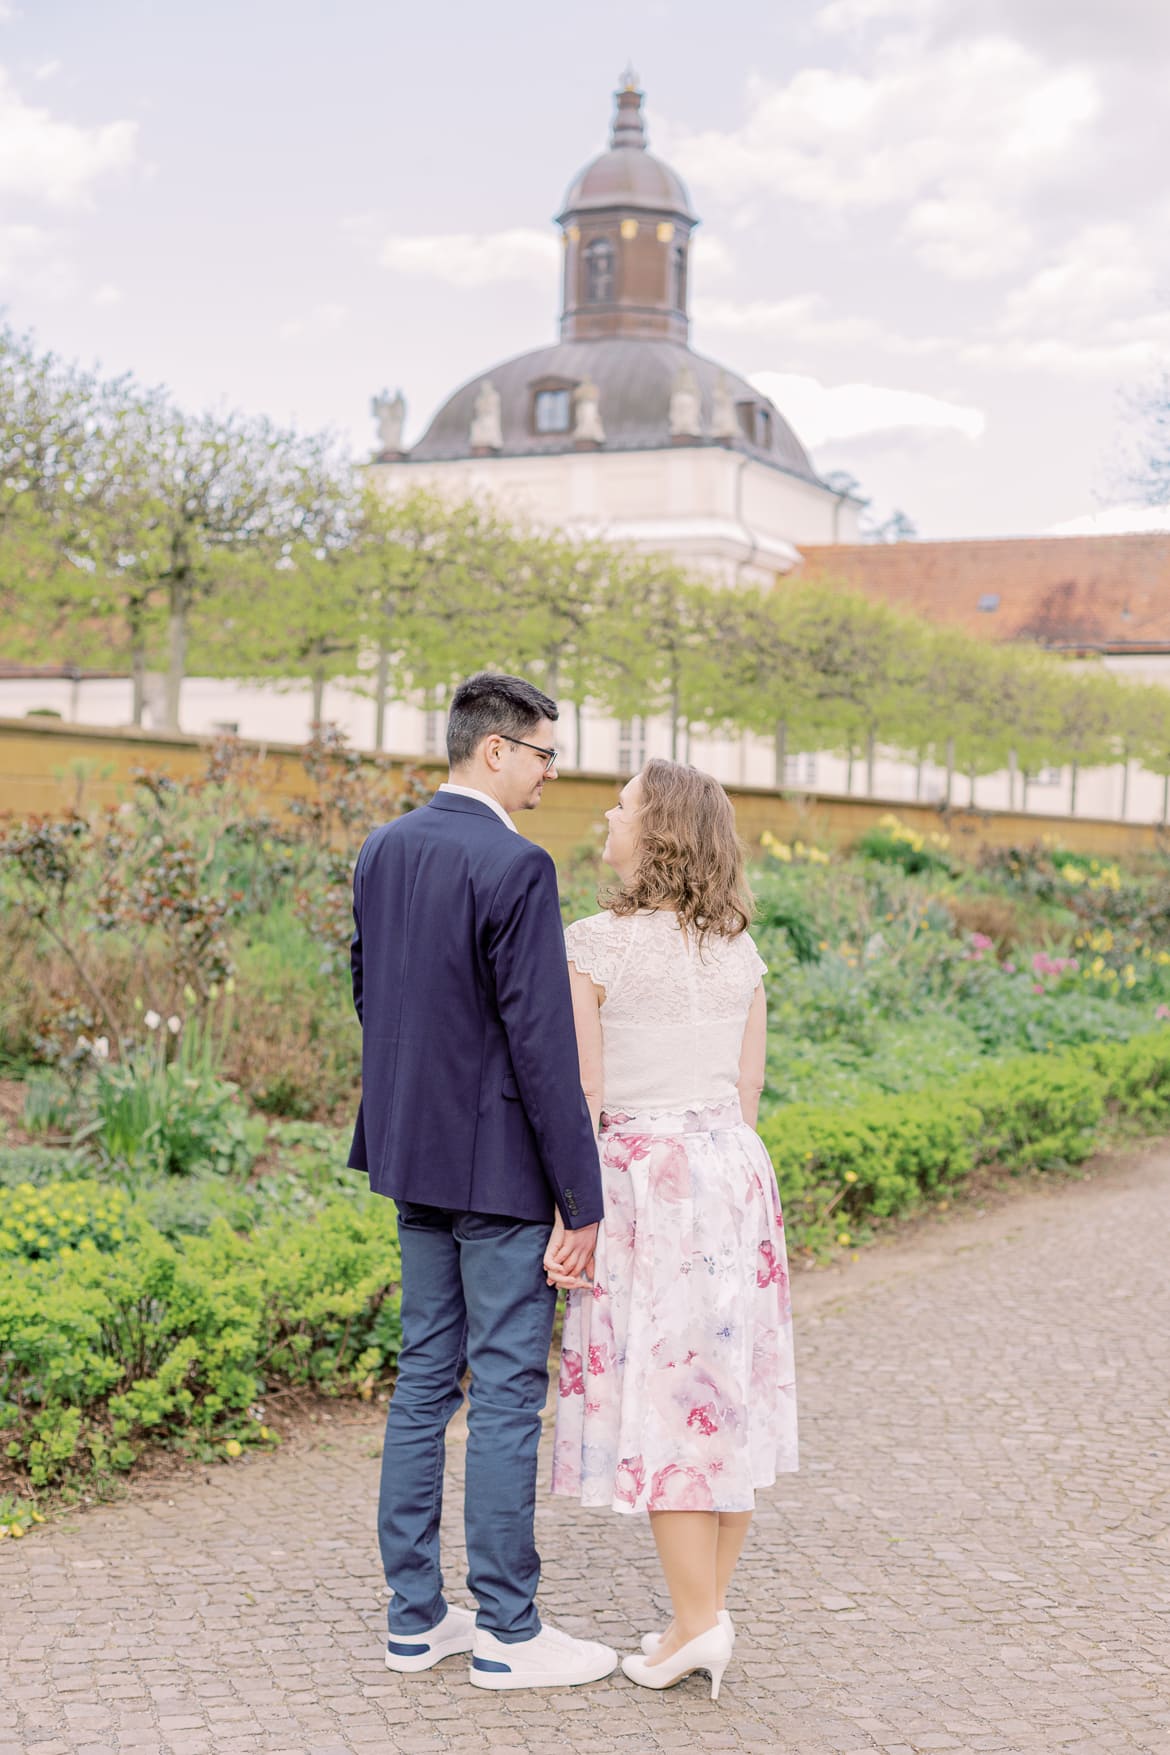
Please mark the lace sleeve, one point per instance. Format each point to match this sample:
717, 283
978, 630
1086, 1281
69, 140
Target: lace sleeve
590, 948
755, 968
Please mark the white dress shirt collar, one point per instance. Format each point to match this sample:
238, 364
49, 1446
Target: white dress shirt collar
480, 798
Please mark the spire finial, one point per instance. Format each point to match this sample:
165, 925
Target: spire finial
628, 128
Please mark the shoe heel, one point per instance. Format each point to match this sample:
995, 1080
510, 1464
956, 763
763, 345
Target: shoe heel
717, 1677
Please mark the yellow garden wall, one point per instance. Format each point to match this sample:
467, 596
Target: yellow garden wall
46, 766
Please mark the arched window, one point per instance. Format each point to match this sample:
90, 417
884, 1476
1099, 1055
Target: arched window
599, 271
678, 278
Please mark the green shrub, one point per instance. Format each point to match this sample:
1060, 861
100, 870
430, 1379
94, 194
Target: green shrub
839, 1167
175, 1341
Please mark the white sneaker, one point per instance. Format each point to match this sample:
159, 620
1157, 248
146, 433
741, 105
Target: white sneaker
551, 1659
418, 1651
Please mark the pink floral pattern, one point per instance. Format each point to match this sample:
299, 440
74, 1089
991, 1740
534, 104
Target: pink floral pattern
677, 1387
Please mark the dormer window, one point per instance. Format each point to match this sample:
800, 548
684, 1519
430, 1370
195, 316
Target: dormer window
755, 423
552, 411
599, 271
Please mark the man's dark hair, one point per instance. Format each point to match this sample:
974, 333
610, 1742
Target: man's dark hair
488, 704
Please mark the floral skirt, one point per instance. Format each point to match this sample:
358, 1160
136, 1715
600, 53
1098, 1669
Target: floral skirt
677, 1390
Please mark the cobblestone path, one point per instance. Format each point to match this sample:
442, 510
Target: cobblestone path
975, 1556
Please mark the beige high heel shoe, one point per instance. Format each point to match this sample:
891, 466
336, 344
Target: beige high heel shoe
711, 1651
651, 1641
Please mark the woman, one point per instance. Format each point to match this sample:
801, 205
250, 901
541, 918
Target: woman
676, 1387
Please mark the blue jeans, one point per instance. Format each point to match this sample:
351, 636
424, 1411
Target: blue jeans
473, 1293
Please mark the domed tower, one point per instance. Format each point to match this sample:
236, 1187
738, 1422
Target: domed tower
619, 426
626, 227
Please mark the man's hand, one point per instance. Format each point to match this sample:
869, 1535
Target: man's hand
568, 1260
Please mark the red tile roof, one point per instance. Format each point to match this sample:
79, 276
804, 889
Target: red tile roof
1084, 593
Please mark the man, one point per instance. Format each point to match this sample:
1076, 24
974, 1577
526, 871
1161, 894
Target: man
473, 1120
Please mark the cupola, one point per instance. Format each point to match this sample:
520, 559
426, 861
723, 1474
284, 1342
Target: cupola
626, 226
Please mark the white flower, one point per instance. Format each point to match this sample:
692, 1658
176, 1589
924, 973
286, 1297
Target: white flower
101, 1048
152, 1020
174, 1024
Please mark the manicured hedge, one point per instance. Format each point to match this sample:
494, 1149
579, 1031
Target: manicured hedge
837, 1168
113, 1336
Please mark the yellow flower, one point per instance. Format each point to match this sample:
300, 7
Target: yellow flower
1097, 965
265, 1433
14, 1529
233, 1447
851, 1176
843, 1238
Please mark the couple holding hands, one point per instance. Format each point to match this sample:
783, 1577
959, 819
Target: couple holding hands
553, 1109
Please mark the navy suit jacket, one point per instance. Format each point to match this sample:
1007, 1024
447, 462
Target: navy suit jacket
471, 1085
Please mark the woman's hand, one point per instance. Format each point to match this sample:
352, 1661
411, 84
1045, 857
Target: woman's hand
568, 1259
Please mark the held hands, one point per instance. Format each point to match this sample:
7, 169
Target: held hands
568, 1260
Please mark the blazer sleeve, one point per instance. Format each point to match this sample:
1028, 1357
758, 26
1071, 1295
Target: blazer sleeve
355, 943
526, 951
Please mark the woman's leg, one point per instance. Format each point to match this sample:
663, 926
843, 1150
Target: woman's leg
688, 1546
733, 1529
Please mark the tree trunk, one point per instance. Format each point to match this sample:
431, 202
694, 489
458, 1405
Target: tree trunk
950, 770
687, 741
674, 721
1125, 787
318, 705
137, 684
971, 800
177, 662
849, 772
1165, 798
579, 734
918, 780
1072, 793
780, 754
1013, 770
381, 684
870, 756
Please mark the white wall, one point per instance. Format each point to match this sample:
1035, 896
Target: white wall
208, 704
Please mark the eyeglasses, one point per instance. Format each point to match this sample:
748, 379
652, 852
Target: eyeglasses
549, 755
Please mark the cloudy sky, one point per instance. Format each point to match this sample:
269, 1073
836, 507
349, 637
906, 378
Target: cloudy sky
937, 232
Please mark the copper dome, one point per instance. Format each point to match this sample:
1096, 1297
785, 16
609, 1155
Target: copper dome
626, 175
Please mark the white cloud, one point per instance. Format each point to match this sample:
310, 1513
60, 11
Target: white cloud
958, 137
47, 70
107, 294
966, 237
822, 413
979, 114
1097, 308
20, 245
469, 259
710, 257
323, 319
44, 159
844, 17
801, 318
1114, 521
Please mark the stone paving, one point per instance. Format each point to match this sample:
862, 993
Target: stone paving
975, 1556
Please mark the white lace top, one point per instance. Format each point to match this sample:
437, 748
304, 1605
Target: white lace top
673, 1016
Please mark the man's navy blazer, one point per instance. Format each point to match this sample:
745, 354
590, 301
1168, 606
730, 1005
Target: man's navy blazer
471, 1085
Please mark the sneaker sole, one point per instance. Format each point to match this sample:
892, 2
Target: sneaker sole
405, 1665
502, 1679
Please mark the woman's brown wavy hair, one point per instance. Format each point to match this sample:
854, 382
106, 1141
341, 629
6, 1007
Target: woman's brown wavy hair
689, 855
